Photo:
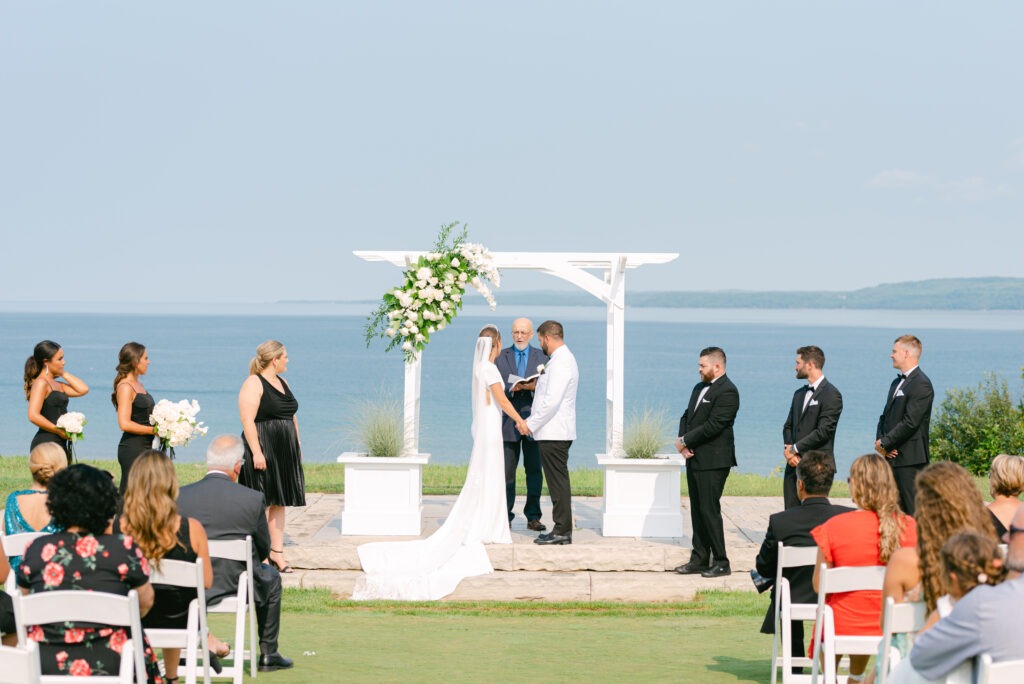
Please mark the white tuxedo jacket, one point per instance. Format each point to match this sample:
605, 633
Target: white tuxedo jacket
553, 416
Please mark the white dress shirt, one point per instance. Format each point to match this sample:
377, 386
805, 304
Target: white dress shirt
553, 415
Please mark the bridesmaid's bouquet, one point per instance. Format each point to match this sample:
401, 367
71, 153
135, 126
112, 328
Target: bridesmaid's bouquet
175, 424
73, 424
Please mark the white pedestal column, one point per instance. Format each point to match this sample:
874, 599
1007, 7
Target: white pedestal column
641, 496
383, 496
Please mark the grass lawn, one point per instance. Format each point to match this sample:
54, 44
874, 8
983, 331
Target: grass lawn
713, 639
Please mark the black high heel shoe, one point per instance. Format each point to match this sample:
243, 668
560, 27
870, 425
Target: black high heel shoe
283, 569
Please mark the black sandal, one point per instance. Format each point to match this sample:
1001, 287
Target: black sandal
284, 569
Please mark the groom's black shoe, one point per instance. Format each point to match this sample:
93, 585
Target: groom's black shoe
536, 525
553, 539
691, 568
717, 570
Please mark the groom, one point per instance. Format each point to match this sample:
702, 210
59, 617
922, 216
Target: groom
553, 424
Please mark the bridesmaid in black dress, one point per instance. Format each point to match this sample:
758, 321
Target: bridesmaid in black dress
134, 406
47, 388
270, 431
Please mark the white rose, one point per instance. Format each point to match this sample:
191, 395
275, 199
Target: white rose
455, 262
424, 273
420, 338
389, 332
407, 346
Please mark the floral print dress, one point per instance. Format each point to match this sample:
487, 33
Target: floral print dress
110, 563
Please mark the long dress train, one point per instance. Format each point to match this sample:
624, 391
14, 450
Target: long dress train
428, 569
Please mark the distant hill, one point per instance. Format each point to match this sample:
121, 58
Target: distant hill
971, 294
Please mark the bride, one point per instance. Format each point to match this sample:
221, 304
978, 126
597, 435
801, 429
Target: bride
428, 569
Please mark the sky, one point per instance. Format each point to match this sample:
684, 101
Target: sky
240, 151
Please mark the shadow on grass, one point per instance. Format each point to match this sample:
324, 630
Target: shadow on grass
744, 669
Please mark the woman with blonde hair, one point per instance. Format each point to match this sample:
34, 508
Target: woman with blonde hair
25, 509
134, 407
1006, 482
47, 388
272, 462
867, 536
150, 516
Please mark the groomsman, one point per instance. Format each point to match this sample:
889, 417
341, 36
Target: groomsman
521, 359
902, 434
706, 442
812, 419
553, 424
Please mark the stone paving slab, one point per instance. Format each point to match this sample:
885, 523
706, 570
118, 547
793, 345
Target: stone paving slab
592, 568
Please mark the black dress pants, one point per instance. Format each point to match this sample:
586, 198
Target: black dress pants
554, 455
534, 476
905, 476
706, 487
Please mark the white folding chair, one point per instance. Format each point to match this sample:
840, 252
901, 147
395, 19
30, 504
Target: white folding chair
1006, 672
899, 618
193, 639
826, 641
15, 545
242, 604
786, 612
20, 665
86, 606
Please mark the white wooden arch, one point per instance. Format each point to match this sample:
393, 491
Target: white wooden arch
575, 268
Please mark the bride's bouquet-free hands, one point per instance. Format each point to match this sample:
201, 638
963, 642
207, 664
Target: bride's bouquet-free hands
175, 424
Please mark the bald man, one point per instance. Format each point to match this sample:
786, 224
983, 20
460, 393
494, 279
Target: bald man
522, 360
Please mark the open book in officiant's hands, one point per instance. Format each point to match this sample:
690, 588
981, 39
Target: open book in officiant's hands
514, 380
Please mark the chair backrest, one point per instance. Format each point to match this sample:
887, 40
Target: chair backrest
15, 545
834, 581
48, 607
232, 549
788, 557
1006, 672
20, 665
178, 573
898, 618
242, 604
193, 637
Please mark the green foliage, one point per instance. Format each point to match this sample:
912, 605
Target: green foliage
975, 424
377, 424
644, 434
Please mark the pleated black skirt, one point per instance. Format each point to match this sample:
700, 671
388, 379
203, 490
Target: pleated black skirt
283, 482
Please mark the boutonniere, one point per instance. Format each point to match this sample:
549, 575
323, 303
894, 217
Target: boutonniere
541, 368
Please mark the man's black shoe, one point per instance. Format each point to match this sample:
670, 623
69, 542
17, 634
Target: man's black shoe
536, 526
717, 571
553, 539
274, 661
691, 568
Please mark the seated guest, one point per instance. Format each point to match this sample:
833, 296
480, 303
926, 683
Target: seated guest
1006, 482
84, 557
7, 625
987, 619
946, 502
25, 510
869, 536
230, 511
150, 516
792, 527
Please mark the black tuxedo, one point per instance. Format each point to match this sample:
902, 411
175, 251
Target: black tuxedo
522, 401
706, 429
810, 429
903, 426
230, 511
793, 527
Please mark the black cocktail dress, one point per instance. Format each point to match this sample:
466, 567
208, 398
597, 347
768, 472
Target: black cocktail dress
283, 482
131, 445
54, 406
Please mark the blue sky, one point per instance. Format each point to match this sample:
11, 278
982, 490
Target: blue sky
239, 151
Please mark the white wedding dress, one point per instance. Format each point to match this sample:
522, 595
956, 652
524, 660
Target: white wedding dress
428, 569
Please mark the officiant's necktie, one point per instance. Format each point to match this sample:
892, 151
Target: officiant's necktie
521, 363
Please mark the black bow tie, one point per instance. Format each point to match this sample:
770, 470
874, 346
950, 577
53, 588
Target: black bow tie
808, 388
901, 376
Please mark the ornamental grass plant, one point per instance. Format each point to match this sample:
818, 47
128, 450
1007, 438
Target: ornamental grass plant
377, 426
644, 434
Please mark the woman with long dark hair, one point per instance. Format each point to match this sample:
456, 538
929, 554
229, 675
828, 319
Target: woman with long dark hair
134, 406
47, 389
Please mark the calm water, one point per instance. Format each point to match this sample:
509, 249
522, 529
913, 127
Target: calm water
205, 355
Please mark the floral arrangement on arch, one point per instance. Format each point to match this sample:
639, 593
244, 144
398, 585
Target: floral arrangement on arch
431, 294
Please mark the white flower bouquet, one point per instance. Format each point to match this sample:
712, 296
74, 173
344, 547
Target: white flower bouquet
175, 424
73, 424
431, 295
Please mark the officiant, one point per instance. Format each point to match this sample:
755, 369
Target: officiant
523, 361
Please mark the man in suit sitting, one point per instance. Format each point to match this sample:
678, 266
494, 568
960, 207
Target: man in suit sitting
706, 442
902, 434
521, 359
814, 474
230, 511
812, 419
